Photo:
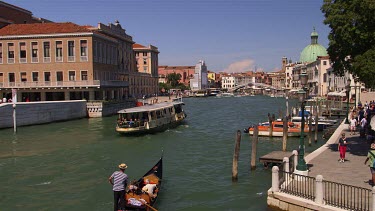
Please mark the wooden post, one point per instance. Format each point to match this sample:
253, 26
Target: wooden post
316, 126
254, 148
270, 129
310, 129
236, 156
285, 132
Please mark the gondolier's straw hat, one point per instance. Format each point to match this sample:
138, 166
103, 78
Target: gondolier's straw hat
122, 166
372, 146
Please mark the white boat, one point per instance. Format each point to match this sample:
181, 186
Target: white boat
150, 118
321, 124
225, 94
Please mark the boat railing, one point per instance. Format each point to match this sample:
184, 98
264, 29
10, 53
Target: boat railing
130, 124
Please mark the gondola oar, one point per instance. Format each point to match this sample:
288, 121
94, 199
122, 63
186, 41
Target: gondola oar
151, 207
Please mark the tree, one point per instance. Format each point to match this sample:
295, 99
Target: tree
352, 37
174, 79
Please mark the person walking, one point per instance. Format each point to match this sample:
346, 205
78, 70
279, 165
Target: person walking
353, 125
119, 181
371, 157
342, 148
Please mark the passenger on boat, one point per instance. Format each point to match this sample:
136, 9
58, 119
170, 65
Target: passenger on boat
151, 189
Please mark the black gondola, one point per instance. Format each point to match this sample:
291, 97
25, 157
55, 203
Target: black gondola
138, 199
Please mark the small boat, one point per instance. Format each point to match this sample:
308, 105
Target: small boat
150, 118
136, 199
321, 125
277, 129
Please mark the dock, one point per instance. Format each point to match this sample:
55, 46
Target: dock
274, 158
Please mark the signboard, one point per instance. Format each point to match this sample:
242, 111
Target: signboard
14, 95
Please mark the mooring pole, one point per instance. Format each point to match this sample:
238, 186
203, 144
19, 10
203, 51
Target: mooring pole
270, 129
285, 132
254, 148
236, 156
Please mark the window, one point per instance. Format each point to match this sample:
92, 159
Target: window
72, 75
59, 76
84, 75
1, 77
59, 51
144, 53
1, 53
137, 54
324, 62
144, 61
22, 52
10, 53
83, 45
47, 76
145, 69
34, 52
325, 77
95, 51
35, 76
70, 51
11, 77
23, 77
47, 51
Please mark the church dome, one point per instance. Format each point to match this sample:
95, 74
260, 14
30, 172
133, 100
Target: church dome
312, 51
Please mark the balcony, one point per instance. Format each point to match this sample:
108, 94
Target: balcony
23, 60
47, 59
34, 60
84, 59
59, 59
71, 59
63, 84
10, 60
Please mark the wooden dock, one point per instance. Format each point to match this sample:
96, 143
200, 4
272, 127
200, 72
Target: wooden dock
274, 158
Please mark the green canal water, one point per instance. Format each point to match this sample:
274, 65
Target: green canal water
65, 166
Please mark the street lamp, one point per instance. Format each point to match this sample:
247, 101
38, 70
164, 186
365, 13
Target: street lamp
347, 88
301, 166
355, 91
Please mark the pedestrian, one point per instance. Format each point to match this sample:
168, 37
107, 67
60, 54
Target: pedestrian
119, 181
342, 148
371, 157
353, 125
363, 127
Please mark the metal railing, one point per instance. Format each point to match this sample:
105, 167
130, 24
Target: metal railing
297, 185
320, 191
346, 196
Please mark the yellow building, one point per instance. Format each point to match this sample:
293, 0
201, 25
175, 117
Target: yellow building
147, 65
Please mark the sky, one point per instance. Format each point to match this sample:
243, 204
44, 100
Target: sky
229, 35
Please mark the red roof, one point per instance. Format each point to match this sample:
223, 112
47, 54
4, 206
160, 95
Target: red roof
42, 28
136, 45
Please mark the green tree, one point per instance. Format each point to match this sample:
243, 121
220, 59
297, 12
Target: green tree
173, 79
352, 37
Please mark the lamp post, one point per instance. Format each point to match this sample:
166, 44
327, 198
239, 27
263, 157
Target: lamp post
301, 166
347, 88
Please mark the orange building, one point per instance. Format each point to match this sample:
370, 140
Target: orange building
186, 72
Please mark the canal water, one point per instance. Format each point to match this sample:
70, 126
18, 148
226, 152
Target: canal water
65, 166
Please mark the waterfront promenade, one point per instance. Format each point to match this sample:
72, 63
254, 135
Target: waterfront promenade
352, 171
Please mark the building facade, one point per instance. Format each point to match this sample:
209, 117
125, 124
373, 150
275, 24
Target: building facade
186, 72
200, 79
147, 65
65, 61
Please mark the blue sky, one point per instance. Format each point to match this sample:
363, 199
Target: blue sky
230, 35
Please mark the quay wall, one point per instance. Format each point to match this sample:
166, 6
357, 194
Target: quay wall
32, 113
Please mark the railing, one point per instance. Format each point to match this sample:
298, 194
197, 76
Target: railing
23, 60
71, 58
34, 60
84, 59
47, 59
10, 60
59, 59
346, 196
298, 185
322, 192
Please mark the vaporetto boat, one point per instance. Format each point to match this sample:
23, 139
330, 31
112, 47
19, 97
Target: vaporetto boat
150, 118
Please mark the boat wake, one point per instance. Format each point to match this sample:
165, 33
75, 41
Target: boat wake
43, 183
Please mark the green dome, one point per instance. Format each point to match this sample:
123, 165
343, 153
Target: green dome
313, 50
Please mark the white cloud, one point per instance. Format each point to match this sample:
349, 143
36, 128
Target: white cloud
241, 66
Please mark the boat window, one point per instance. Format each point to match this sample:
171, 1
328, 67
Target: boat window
278, 126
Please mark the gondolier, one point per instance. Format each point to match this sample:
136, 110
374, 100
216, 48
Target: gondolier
119, 181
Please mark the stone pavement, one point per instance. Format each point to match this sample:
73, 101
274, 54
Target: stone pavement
352, 171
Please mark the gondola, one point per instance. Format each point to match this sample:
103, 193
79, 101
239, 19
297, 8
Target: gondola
137, 198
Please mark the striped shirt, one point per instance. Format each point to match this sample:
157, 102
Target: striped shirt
119, 180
